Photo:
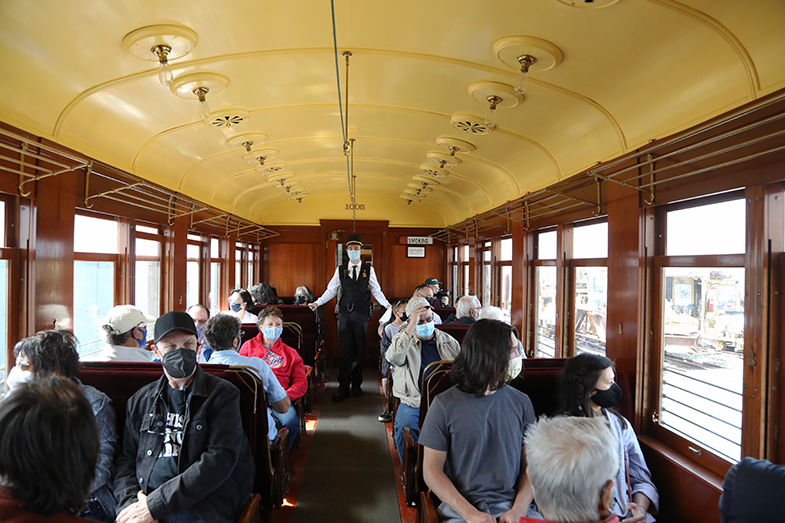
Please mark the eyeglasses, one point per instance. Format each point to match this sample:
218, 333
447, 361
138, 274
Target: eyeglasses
272, 310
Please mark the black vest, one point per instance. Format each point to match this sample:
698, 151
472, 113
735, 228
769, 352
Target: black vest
355, 294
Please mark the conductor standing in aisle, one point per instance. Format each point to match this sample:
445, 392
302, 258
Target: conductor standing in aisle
357, 281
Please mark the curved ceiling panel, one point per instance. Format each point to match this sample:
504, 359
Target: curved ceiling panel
630, 72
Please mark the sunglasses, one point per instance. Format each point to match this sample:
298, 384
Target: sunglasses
272, 310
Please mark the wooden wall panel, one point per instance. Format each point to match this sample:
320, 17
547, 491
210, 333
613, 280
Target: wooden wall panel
404, 274
53, 273
688, 492
624, 275
289, 265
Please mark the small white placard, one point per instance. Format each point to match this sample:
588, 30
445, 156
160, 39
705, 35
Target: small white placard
415, 252
419, 240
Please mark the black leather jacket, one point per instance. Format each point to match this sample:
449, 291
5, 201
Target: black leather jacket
216, 467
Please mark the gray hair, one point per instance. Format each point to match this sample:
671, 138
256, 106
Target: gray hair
492, 313
570, 460
465, 304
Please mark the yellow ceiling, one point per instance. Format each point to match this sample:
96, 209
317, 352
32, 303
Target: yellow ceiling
632, 71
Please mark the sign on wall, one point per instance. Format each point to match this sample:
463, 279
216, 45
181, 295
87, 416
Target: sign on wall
415, 240
415, 252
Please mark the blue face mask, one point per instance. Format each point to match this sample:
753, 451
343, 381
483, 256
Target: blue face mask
143, 342
272, 333
236, 307
354, 255
425, 330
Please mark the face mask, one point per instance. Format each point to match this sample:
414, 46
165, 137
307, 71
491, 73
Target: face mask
299, 299
179, 363
354, 255
236, 307
425, 330
17, 376
143, 342
607, 398
272, 333
514, 368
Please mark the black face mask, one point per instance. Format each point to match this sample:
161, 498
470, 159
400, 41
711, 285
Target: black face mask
607, 398
300, 299
179, 363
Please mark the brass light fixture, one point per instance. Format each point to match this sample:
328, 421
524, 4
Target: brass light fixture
161, 43
526, 61
497, 95
527, 54
162, 51
201, 94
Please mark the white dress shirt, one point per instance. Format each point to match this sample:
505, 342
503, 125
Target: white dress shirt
335, 283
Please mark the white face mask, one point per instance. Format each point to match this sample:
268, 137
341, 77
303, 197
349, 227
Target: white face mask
17, 376
514, 368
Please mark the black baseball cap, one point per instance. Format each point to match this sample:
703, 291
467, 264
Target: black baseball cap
174, 321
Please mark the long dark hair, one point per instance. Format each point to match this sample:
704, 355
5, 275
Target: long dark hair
485, 355
578, 380
48, 446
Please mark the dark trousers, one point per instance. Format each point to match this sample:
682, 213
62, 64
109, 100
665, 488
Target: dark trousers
351, 347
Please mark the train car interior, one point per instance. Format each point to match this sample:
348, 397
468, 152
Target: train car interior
610, 174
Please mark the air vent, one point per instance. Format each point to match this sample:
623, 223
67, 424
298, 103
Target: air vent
431, 170
469, 123
588, 4
226, 119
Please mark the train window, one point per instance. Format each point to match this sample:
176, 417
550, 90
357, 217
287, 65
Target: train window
717, 228
700, 324
95, 281
545, 319
148, 276
465, 271
251, 260
590, 241
4, 293
546, 245
192, 295
215, 248
239, 249
590, 287
505, 277
487, 280
2, 224
216, 263
147, 230
95, 235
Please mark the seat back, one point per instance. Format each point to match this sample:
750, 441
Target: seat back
456, 330
119, 381
752, 491
436, 379
444, 312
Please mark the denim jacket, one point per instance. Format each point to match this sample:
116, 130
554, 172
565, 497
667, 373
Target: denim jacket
215, 464
106, 420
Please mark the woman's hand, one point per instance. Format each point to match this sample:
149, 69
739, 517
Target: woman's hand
638, 513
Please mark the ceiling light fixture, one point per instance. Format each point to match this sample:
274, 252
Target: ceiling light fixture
201, 94
497, 95
161, 43
247, 141
527, 54
279, 178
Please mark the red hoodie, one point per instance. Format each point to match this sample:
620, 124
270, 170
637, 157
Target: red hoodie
285, 362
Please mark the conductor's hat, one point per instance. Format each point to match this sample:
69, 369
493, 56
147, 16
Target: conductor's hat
354, 239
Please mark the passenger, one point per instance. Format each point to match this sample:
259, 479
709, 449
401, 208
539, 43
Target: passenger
303, 296
357, 281
421, 291
467, 310
572, 466
434, 284
411, 351
125, 329
212, 478
263, 294
495, 313
587, 389
53, 353
472, 437
22, 370
201, 314
224, 333
752, 491
239, 301
443, 298
48, 449
388, 333
285, 362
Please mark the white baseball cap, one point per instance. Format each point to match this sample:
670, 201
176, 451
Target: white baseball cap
416, 302
123, 318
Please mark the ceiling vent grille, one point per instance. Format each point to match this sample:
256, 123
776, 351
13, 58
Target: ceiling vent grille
469, 123
224, 120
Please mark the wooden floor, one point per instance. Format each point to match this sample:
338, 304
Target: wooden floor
348, 470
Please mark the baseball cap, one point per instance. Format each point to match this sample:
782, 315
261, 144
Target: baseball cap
173, 321
123, 318
432, 281
414, 303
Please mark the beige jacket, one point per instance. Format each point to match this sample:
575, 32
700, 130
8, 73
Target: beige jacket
405, 355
